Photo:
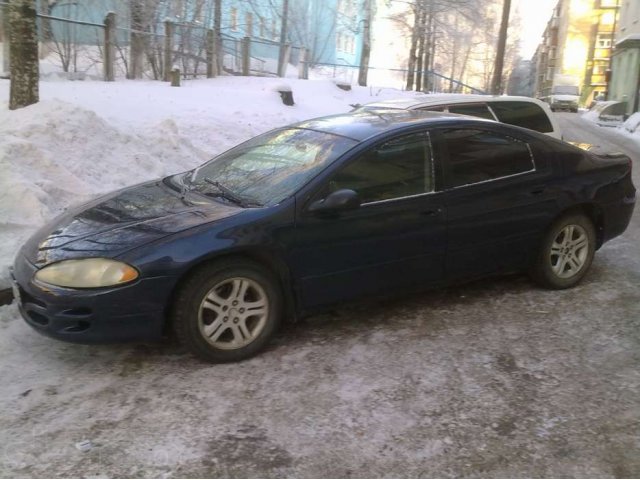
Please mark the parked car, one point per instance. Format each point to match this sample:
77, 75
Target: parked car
523, 112
323, 211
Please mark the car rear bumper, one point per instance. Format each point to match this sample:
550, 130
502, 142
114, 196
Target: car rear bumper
617, 217
129, 313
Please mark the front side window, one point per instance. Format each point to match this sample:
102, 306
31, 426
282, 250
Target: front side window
271, 167
523, 114
399, 168
478, 156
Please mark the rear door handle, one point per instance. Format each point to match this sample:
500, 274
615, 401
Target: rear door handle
431, 213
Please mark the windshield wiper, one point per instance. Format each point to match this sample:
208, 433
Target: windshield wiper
227, 194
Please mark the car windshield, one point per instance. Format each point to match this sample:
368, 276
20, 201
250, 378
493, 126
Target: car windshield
566, 90
269, 168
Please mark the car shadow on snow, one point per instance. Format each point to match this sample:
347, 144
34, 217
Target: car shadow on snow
431, 310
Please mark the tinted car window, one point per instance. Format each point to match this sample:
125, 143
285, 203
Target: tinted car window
478, 155
522, 114
474, 110
399, 168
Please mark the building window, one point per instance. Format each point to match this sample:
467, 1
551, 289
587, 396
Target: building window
263, 29
274, 32
339, 42
249, 24
234, 19
603, 40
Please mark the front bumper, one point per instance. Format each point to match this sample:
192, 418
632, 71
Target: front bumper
131, 312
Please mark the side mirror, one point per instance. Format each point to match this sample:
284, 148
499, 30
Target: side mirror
336, 201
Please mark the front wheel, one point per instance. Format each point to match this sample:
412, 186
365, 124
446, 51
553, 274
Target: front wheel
566, 253
227, 311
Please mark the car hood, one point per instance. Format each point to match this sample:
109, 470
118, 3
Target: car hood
120, 221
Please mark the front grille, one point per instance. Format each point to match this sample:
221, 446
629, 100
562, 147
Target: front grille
38, 318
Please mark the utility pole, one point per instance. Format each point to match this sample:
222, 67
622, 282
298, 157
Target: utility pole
496, 84
365, 54
282, 68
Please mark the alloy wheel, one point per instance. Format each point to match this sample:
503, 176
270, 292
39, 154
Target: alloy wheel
233, 313
569, 251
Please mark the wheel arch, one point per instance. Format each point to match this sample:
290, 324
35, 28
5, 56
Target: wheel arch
266, 259
593, 212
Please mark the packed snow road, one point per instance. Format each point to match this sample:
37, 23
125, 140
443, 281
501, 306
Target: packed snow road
497, 378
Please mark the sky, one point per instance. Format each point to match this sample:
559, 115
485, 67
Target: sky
534, 16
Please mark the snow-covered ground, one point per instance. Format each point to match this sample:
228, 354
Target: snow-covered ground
493, 379
85, 138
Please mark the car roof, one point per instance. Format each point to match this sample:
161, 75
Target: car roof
434, 99
364, 124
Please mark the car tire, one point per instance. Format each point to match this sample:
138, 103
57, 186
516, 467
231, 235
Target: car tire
566, 253
227, 311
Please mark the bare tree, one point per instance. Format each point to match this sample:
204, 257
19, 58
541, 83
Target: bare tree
23, 38
496, 85
366, 44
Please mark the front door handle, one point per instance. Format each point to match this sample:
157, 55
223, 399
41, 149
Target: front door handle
431, 213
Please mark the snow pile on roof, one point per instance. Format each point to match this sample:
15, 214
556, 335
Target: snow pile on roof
632, 124
86, 138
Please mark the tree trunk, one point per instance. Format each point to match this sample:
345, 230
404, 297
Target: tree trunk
366, 45
430, 43
217, 27
138, 40
282, 68
23, 39
496, 84
421, 40
465, 61
411, 66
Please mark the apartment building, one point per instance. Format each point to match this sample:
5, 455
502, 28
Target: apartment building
578, 43
625, 81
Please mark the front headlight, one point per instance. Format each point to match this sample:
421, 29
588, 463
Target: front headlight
87, 273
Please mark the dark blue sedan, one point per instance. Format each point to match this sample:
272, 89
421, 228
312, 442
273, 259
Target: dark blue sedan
328, 210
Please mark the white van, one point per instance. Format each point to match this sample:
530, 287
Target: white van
520, 111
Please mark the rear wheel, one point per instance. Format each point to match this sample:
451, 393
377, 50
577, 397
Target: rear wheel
227, 311
566, 253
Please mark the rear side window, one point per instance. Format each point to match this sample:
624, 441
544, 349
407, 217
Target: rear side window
474, 110
478, 156
523, 114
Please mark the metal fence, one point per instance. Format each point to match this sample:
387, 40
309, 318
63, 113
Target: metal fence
346, 73
76, 48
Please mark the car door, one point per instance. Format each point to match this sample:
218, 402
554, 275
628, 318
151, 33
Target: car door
394, 241
498, 200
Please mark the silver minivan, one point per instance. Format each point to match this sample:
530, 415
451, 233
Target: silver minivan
523, 112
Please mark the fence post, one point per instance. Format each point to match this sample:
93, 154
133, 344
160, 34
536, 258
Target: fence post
246, 56
212, 62
109, 46
303, 65
175, 77
168, 50
4, 26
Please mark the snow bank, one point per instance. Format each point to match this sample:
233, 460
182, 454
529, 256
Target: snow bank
85, 138
54, 154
